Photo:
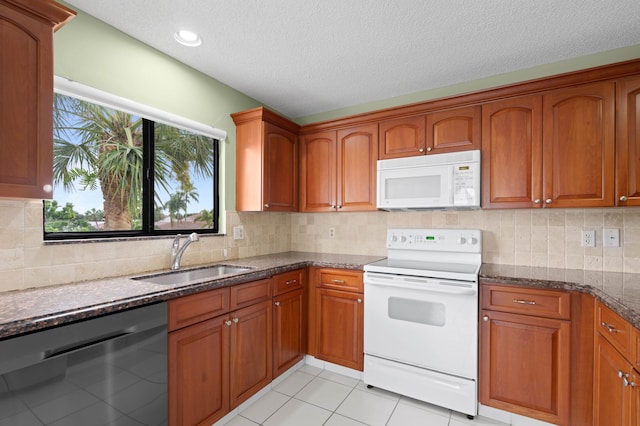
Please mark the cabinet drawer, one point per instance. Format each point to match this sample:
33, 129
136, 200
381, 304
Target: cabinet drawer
288, 281
195, 308
341, 279
527, 301
247, 294
615, 329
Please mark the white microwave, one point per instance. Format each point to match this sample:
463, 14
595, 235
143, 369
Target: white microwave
437, 181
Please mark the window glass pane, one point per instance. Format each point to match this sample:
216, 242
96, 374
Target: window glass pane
97, 169
184, 179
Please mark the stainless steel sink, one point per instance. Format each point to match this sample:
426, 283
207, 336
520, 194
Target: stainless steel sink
201, 274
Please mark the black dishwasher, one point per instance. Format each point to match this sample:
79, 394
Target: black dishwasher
109, 370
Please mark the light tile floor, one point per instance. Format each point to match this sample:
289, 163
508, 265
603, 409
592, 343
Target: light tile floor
315, 397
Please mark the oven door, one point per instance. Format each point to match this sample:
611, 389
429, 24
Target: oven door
429, 323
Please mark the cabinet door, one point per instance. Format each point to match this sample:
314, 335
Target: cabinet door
288, 331
512, 153
578, 146
453, 130
357, 153
26, 112
250, 351
628, 142
199, 373
340, 327
612, 400
524, 365
280, 190
402, 137
318, 172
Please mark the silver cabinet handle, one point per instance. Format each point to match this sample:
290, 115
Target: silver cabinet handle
623, 198
536, 201
236, 320
610, 328
227, 323
339, 206
277, 303
267, 205
333, 206
524, 302
421, 150
429, 148
548, 200
485, 318
290, 282
337, 281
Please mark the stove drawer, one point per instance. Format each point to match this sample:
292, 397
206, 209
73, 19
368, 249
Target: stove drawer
527, 301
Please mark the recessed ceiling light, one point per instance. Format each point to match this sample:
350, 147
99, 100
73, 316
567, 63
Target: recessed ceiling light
187, 38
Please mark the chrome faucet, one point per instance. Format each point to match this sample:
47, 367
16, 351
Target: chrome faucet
177, 251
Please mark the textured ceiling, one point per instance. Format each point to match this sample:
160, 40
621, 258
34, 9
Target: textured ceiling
305, 57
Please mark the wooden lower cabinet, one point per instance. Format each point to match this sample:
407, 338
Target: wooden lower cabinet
616, 395
336, 316
199, 373
525, 358
340, 328
615, 400
288, 331
216, 363
249, 351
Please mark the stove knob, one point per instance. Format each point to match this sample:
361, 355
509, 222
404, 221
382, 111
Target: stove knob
473, 241
462, 240
403, 239
394, 238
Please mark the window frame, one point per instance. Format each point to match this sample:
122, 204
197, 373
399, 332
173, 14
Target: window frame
149, 116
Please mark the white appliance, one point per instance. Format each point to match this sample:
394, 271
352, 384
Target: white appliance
421, 317
437, 181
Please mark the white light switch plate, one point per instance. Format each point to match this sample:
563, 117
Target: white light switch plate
611, 237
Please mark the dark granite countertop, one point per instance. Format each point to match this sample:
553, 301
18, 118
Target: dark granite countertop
35, 309
619, 291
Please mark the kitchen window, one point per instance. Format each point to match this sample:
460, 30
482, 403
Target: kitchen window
120, 173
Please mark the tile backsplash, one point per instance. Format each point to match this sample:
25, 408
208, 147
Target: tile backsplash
546, 237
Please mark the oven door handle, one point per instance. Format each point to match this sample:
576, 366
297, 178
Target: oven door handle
437, 287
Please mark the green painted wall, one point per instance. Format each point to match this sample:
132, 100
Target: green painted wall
93, 53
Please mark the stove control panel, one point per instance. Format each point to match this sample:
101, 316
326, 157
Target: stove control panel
456, 240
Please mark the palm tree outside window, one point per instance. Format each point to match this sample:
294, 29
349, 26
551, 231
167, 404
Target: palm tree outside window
118, 174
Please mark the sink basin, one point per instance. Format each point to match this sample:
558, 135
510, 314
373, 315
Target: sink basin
179, 277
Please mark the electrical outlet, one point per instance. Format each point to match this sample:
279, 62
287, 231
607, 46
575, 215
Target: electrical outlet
238, 232
588, 238
611, 237
332, 232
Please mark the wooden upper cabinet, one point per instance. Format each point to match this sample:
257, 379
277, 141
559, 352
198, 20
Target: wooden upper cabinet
338, 169
402, 137
628, 142
26, 84
318, 172
449, 130
453, 130
357, 153
266, 161
579, 146
512, 153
